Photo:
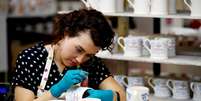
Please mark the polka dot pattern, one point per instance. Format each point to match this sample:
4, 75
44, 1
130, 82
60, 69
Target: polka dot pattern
30, 65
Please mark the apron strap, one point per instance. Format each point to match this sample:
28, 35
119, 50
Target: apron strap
48, 64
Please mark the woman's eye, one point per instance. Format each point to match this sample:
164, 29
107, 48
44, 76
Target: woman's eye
78, 50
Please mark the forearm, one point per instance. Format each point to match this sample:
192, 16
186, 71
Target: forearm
122, 95
115, 96
45, 97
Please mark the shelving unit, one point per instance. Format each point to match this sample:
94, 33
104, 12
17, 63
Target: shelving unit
131, 14
16, 30
177, 60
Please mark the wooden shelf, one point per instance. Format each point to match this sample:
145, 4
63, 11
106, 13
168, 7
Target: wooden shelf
131, 14
179, 59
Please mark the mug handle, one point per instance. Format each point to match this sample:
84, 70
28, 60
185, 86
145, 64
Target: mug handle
119, 42
124, 83
150, 82
87, 4
192, 86
168, 84
185, 1
132, 4
145, 44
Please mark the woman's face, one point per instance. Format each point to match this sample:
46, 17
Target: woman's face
73, 51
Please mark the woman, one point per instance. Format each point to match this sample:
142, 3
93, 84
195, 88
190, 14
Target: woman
50, 68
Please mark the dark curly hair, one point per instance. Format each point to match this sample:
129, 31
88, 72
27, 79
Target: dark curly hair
83, 20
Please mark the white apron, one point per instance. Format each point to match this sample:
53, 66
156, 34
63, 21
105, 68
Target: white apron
41, 88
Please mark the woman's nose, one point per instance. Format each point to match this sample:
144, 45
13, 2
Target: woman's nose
80, 58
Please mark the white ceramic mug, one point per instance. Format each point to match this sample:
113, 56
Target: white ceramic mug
75, 93
145, 52
101, 5
159, 86
137, 93
196, 88
171, 45
157, 47
172, 7
194, 7
134, 81
119, 5
132, 46
159, 7
120, 79
91, 4
179, 88
140, 6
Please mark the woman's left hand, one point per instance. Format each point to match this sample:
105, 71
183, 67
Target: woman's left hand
70, 78
104, 95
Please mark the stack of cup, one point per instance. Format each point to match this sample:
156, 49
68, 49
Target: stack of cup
154, 7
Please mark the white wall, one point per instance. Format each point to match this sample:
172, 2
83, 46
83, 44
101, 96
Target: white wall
3, 43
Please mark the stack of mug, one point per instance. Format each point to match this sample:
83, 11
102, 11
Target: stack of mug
134, 86
105, 6
156, 47
154, 7
138, 87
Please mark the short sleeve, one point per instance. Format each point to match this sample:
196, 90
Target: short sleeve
98, 72
23, 74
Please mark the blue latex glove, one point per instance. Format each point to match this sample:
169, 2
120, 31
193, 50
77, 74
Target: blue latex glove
104, 95
70, 78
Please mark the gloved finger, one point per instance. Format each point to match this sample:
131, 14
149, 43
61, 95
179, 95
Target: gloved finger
84, 75
78, 77
80, 72
75, 81
91, 96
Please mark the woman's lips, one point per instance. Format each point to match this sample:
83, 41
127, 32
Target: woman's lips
73, 63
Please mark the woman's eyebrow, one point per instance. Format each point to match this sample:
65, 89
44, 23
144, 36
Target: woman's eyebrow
80, 47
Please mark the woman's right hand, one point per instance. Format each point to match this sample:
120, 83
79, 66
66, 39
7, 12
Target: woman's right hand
70, 78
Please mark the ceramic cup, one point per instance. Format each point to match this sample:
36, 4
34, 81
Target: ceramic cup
119, 5
159, 86
132, 45
134, 81
101, 5
194, 6
75, 93
137, 93
172, 7
157, 47
140, 6
171, 45
120, 79
159, 7
196, 88
179, 88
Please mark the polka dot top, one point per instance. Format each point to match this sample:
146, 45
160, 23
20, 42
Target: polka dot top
30, 65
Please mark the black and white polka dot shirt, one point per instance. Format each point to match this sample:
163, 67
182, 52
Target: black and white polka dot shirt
30, 65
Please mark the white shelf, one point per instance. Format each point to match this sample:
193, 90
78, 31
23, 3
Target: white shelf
179, 59
131, 14
153, 98
31, 16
